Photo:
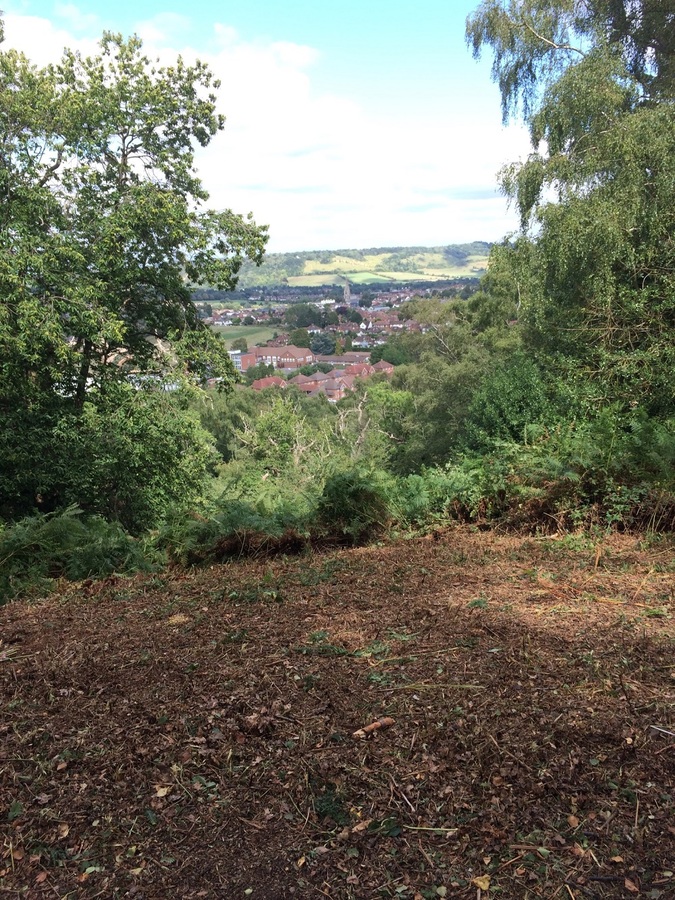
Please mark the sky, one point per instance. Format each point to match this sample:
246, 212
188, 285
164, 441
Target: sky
361, 124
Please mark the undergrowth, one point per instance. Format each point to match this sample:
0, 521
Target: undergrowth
591, 475
38, 550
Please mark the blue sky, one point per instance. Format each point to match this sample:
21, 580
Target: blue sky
357, 124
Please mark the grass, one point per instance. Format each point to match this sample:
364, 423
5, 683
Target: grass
424, 266
254, 334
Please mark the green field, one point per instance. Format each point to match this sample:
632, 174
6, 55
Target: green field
393, 264
254, 334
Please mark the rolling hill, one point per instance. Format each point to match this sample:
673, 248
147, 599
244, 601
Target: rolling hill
376, 265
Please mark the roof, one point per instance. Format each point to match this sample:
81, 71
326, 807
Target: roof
271, 381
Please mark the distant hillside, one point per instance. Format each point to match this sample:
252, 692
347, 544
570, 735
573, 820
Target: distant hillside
376, 265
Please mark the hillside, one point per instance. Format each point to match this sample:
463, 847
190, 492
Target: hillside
191, 734
376, 265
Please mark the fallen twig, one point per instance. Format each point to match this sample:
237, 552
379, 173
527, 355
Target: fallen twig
384, 722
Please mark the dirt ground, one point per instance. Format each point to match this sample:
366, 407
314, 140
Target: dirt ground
191, 734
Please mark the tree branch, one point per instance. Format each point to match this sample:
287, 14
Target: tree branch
546, 40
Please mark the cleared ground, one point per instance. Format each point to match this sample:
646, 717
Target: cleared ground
191, 734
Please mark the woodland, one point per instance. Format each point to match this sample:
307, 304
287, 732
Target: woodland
545, 400
414, 644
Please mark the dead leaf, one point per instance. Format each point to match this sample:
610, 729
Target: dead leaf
572, 821
631, 886
617, 859
301, 862
483, 882
18, 854
177, 619
41, 877
161, 790
63, 830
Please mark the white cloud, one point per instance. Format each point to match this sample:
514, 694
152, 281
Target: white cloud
40, 39
320, 170
75, 18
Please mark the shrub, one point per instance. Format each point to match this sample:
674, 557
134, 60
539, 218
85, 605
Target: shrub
38, 549
355, 504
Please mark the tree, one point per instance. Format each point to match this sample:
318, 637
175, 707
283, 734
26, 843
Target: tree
103, 232
259, 370
323, 344
239, 344
299, 337
594, 271
302, 315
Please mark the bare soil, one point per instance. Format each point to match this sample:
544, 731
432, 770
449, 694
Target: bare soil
191, 734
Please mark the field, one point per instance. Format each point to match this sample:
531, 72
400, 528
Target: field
254, 334
196, 733
372, 269
311, 269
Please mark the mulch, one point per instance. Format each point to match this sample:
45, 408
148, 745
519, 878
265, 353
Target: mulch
191, 734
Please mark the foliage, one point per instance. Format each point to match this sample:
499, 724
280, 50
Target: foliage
299, 337
355, 504
126, 456
323, 344
37, 550
594, 270
230, 528
512, 397
101, 222
394, 352
259, 370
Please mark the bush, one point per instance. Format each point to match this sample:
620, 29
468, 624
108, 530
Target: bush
37, 550
231, 528
355, 504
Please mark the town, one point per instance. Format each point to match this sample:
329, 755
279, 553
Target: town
325, 337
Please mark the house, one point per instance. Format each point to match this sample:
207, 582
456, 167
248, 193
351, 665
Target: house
360, 370
384, 367
271, 381
289, 357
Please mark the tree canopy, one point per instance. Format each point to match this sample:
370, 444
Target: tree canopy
595, 271
103, 231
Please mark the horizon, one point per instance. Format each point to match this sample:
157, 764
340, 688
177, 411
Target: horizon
350, 128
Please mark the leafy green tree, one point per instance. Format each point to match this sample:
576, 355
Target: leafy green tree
239, 344
323, 344
302, 315
512, 396
594, 273
103, 231
299, 337
394, 352
260, 370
